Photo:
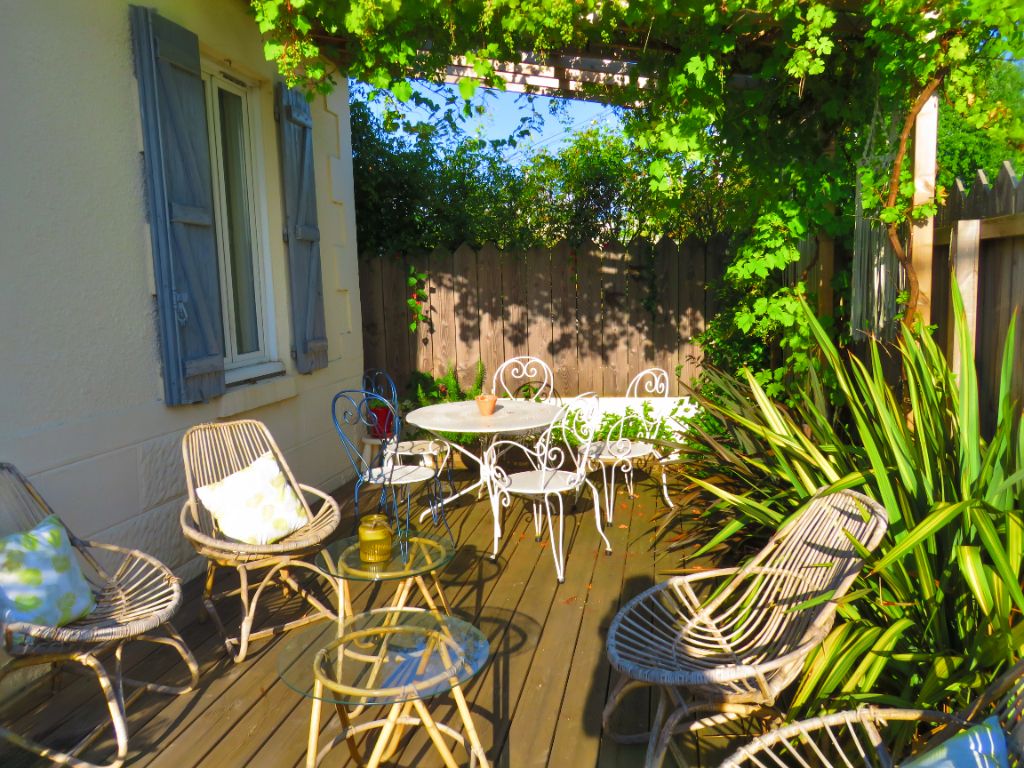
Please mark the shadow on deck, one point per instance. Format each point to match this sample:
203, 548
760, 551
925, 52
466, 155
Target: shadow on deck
537, 702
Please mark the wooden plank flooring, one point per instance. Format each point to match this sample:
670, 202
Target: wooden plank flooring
538, 702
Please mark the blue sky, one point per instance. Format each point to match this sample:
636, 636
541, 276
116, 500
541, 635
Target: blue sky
504, 111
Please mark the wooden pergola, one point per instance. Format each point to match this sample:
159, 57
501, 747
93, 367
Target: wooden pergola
588, 75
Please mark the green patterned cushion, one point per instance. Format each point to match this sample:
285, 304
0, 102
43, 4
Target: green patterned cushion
254, 505
40, 579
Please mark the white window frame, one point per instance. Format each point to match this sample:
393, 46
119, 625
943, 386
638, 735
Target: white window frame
262, 362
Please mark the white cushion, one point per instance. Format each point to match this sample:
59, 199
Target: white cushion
254, 505
41, 581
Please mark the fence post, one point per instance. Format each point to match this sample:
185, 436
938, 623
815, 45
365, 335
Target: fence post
964, 247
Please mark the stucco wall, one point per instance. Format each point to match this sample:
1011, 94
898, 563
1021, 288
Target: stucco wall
81, 396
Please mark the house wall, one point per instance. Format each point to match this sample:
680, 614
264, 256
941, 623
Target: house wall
81, 394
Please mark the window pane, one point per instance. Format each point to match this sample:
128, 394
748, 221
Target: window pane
236, 194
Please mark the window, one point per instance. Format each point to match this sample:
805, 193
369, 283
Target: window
230, 120
206, 206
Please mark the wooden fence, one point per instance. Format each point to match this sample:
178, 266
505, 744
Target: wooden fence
596, 315
980, 236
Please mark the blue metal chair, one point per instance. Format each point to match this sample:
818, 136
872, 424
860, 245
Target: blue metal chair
355, 410
380, 383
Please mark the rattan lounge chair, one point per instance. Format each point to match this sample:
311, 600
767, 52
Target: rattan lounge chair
855, 737
724, 644
135, 596
212, 452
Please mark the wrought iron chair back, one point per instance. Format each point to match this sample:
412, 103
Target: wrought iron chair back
379, 382
524, 378
361, 410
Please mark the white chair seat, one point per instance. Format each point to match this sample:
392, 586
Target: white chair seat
615, 450
538, 482
398, 475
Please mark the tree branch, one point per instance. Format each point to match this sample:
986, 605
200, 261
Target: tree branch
913, 286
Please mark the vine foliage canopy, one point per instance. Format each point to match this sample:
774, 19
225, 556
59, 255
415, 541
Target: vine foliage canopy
801, 98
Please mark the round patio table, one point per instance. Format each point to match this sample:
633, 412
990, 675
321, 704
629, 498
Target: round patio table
395, 657
510, 417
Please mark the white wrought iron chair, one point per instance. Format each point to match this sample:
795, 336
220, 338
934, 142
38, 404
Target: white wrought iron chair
135, 594
557, 467
857, 737
524, 378
212, 452
628, 440
723, 644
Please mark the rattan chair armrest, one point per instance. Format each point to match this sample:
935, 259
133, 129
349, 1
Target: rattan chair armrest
747, 754
329, 502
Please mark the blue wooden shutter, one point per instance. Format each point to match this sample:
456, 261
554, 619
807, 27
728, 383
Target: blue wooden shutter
309, 331
180, 207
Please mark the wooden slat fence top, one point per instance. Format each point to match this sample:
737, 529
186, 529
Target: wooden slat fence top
586, 311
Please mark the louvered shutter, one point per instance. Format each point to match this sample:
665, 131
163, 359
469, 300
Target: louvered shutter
180, 206
295, 130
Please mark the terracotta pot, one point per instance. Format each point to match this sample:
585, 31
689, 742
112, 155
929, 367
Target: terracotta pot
486, 404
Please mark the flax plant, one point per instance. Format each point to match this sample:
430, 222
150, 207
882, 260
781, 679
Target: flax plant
937, 613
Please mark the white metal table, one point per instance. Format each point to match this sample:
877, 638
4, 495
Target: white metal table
510, 417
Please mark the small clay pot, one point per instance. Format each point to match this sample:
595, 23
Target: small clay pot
486, 404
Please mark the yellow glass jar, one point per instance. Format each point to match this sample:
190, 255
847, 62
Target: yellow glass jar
375, 539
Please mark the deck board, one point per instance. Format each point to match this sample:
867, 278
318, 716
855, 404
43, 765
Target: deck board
538, 702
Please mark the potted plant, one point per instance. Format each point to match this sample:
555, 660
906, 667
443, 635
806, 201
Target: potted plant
382, 418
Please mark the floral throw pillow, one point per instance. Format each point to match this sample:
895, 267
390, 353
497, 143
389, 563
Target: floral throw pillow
41, 581
254, 505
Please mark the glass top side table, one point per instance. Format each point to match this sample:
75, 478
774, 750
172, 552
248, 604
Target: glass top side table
428, 553
388, 656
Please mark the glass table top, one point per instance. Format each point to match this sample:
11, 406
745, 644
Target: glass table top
384, 656
428, 551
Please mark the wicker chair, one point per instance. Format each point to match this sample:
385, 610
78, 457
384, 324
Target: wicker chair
854, 738
524, 378
135, 595
723, 644
212, 452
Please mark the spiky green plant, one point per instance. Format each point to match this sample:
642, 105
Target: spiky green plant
938, 610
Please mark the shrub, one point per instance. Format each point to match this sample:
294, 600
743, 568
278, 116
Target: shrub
937, 612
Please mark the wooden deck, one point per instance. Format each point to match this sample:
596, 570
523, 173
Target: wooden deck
538, 701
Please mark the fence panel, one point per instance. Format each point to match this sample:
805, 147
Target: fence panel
562, 350
492, 327
589, 319
615, 371
586, 312
443, 279
467, 313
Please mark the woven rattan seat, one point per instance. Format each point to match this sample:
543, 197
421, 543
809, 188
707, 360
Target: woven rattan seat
856, 738
135, 596
724, 643
211, 452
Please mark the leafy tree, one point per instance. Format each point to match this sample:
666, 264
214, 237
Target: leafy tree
965, 148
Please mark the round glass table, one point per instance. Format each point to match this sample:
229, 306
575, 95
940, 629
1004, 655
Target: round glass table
429, 551
396, 657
